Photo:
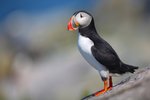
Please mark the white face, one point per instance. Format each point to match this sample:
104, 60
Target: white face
83, 19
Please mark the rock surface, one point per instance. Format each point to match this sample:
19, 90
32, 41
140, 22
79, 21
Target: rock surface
135, 87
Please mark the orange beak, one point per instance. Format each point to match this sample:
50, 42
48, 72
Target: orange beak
72, 24
70, 27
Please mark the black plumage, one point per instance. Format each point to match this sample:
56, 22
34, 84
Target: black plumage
104, 53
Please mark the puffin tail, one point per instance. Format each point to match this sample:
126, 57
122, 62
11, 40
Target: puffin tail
128, 68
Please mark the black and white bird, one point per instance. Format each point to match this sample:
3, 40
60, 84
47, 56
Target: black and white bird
97, 52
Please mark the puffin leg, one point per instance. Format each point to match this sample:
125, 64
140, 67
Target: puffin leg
110, 83
106, 88
103, 90
99, 92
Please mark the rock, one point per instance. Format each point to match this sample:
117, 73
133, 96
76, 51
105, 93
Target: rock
135, 87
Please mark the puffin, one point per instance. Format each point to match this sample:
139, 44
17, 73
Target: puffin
96, 51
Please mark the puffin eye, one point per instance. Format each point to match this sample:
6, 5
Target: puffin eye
81, 15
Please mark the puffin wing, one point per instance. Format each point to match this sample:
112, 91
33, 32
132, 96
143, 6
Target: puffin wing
106, 55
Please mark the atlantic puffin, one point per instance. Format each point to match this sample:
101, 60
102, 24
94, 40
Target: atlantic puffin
96, 51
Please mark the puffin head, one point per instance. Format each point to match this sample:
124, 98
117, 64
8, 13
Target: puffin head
80, 19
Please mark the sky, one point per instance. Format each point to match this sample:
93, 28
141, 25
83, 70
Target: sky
24, 16
35, 6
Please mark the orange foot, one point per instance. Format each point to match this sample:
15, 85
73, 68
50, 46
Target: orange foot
102, 91
106, 88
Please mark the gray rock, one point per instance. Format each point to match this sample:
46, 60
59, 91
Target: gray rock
135, 87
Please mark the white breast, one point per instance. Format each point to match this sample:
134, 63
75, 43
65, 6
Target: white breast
84, 45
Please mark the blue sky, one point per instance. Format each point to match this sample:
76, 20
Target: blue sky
6, 6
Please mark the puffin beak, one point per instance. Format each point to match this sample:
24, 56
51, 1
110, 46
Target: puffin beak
73, 24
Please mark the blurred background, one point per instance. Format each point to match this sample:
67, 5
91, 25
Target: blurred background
39, 59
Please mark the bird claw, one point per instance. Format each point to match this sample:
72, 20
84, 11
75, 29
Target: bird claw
97, 93
106, 88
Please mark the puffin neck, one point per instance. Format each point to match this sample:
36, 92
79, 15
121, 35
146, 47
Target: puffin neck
89, 30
